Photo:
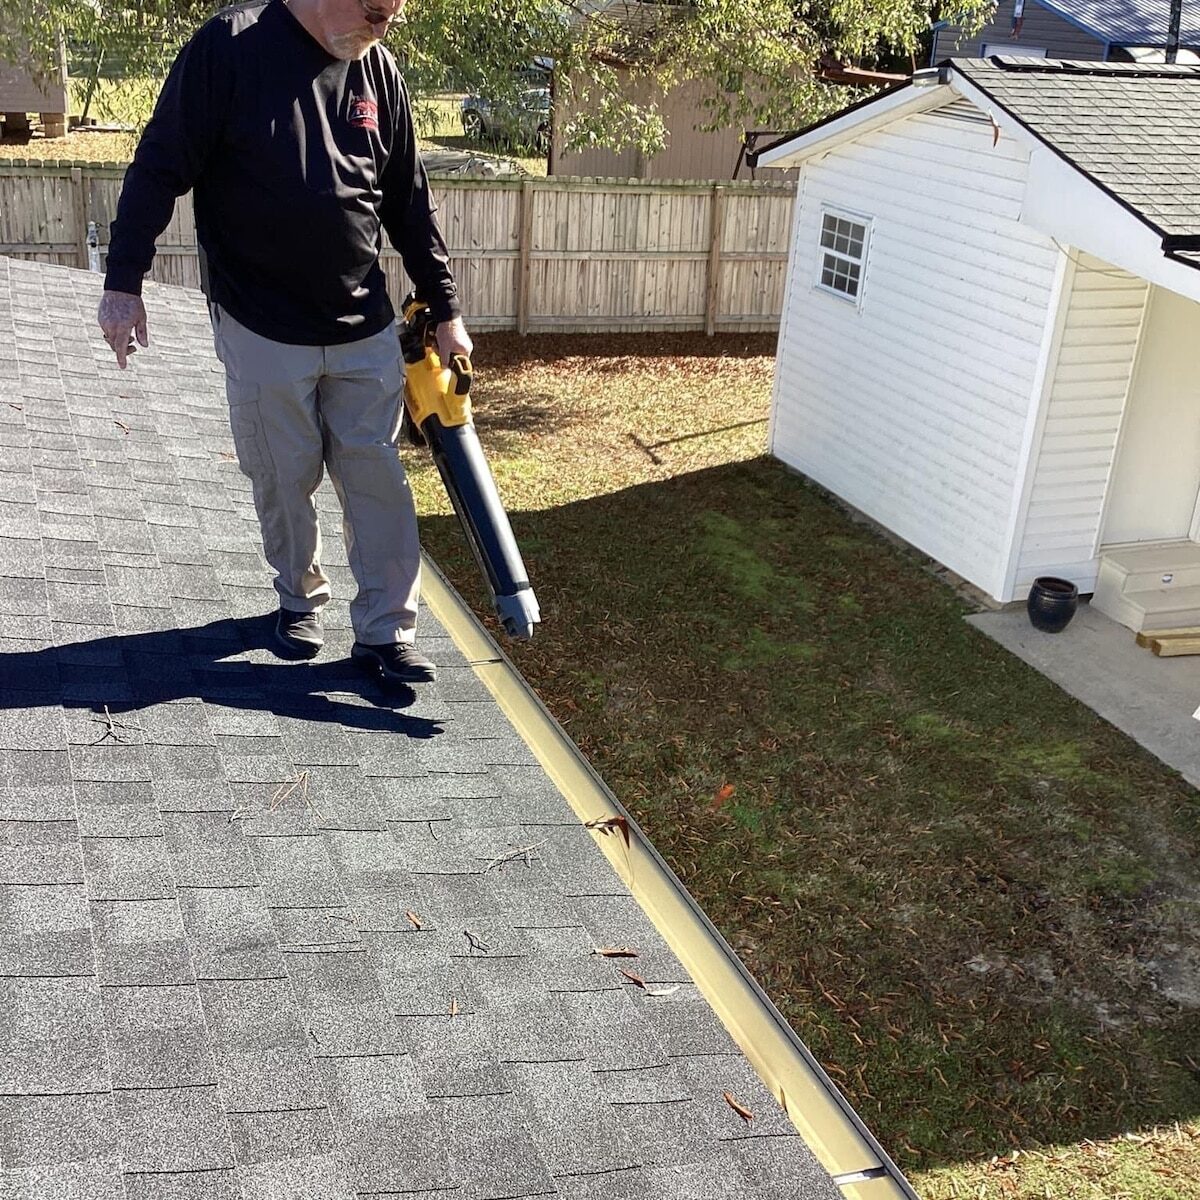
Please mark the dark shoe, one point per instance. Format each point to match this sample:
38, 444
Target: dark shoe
396, 663
299, 633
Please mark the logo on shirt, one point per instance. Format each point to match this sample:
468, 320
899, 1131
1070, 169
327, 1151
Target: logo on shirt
364, 114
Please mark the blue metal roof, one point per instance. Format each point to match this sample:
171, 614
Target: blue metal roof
1129, 22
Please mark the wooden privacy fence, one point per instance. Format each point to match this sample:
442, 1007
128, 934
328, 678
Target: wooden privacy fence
533, 254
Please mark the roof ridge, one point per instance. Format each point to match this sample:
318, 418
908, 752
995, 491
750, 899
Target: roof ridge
1055, 66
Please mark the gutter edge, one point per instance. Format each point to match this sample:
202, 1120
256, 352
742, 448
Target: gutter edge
831, 1128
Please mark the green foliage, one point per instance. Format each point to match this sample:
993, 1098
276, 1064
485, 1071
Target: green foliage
754, 60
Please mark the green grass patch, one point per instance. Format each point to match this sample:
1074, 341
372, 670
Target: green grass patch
963, 889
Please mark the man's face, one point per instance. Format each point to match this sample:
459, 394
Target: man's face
356, 25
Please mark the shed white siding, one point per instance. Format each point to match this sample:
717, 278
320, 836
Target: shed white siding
914, 407
1073, 458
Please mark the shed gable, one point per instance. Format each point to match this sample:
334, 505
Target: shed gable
914, 407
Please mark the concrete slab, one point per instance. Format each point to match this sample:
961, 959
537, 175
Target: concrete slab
1097, 661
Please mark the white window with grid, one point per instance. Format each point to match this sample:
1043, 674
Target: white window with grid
843, 254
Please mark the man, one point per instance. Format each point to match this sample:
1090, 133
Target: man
291, 123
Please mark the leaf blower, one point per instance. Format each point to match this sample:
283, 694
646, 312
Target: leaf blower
437, 408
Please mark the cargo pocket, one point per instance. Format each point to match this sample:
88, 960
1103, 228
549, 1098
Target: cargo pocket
245, 421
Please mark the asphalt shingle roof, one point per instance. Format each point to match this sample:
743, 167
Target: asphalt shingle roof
1129, 22
1134, 129
208, 990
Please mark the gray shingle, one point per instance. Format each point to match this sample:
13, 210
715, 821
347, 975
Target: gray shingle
207, 849
110, 763
342, 1003
96, 1179
329, 928
140, 942
390, 1138
173, 1129
44, 1130
206, 1184
51, 1036
278, 1136
492, 1149
296, 870
263, 1054
593, 1139
36, 852
53, 803
319, 1176
157, 1037
127, 868
117, 810
230, 933
34, 768
1084, 111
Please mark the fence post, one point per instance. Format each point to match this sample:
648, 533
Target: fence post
524, 245
716, 227
79, 214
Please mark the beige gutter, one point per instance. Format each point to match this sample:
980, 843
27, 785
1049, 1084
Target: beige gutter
830, 1127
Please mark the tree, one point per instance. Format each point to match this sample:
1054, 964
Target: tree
756, 59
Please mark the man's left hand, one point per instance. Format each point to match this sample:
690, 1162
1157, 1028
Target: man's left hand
452, 338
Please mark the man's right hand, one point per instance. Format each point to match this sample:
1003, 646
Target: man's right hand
121, 316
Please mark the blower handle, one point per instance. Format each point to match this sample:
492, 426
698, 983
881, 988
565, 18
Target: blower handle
464, 375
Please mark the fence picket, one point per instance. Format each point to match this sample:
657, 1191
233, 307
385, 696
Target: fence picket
542, 254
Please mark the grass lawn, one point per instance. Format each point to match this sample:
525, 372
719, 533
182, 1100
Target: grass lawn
973, 899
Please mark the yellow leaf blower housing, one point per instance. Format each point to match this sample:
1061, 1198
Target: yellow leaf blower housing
438, 409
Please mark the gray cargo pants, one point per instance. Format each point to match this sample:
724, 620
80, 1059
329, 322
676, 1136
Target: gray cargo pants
295, 410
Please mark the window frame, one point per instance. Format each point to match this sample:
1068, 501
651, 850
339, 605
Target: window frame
867, 224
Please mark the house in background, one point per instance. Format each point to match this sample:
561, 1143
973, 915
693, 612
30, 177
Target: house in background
1092, 30
692, 151
21, 94
990, 321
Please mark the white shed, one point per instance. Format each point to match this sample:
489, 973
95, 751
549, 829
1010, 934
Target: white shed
991, 324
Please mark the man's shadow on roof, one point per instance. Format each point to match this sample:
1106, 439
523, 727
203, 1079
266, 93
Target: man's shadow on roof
132, 671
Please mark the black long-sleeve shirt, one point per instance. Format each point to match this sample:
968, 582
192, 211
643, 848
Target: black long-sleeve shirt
296, 160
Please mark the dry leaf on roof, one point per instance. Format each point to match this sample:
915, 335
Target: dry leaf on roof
122, 426
616, 951
454, 1006
412, 916
741, 1110
606, 825
651, 989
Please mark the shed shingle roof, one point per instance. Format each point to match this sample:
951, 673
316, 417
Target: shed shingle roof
210, 989
1135, 130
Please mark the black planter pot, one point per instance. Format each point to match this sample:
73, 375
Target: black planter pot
1052, 603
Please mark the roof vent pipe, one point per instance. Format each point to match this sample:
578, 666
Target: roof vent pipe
931, 76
